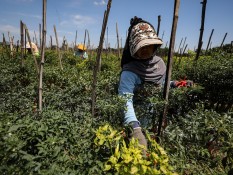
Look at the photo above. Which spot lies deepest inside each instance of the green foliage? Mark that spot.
(54, 143)
(200, 138)
(61, 140)
(214, 73)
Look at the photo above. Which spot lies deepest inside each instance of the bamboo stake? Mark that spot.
(51, 42)
(3, 44)
(121, 46)
(158, 27)
(162, 35)
(40, 34)
(33, 54)
(185, 49)
(88, 41)
(22, 43)
(11, 44)
(3, 39)
(58, 49)
(42, 56)
(209, 40)
(223, 40)
(169, 64)
(180, 45)
(201, 29)
(98, 59)
(25, 43)
(36, 38)
(106, 44)
(84, 42)
(181, 50)
(118, 44)
(17, 46)
(182, 54)
(231, 47)
(75, 40)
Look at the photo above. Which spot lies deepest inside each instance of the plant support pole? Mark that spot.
(223, 39)
(95, 72)
(42, 55)
(33, 54)
(209, 40)
(58, 49)
(158, 27)
(201, 29)
(22, 42)
(169, 63)
(40, 34)
(118, 44)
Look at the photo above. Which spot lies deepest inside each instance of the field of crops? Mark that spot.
(65, 138)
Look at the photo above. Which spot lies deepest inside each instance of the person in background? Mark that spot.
(34, 47)
(139, 64)
(80, 51)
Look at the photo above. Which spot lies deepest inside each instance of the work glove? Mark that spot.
(138, 135)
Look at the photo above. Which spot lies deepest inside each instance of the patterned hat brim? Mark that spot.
(146, 42)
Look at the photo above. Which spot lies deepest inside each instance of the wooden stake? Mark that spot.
(223, 40)
(58, 49)
(51, 42)
(88, 41)
(11, 42)
(33, 54)
(169, 64)
(162, 35)
(106, 44)
(84, 43)
(22, 42)
(180, 45)
(40, 34)
(98, 59)
(158, 27)
(118, 43)
(36, 38)
(201, 29)
(209, 40)
(182, 50)
(75, 40)
(231, 47)
(42, 55)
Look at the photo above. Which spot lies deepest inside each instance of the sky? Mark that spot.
(70, 16)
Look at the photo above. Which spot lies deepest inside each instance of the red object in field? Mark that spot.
(182, 83)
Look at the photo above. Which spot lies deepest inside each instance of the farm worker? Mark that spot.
(34, 47)
(80, 51)
(139, 64)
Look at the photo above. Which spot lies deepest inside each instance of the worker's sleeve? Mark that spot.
(128, 82)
